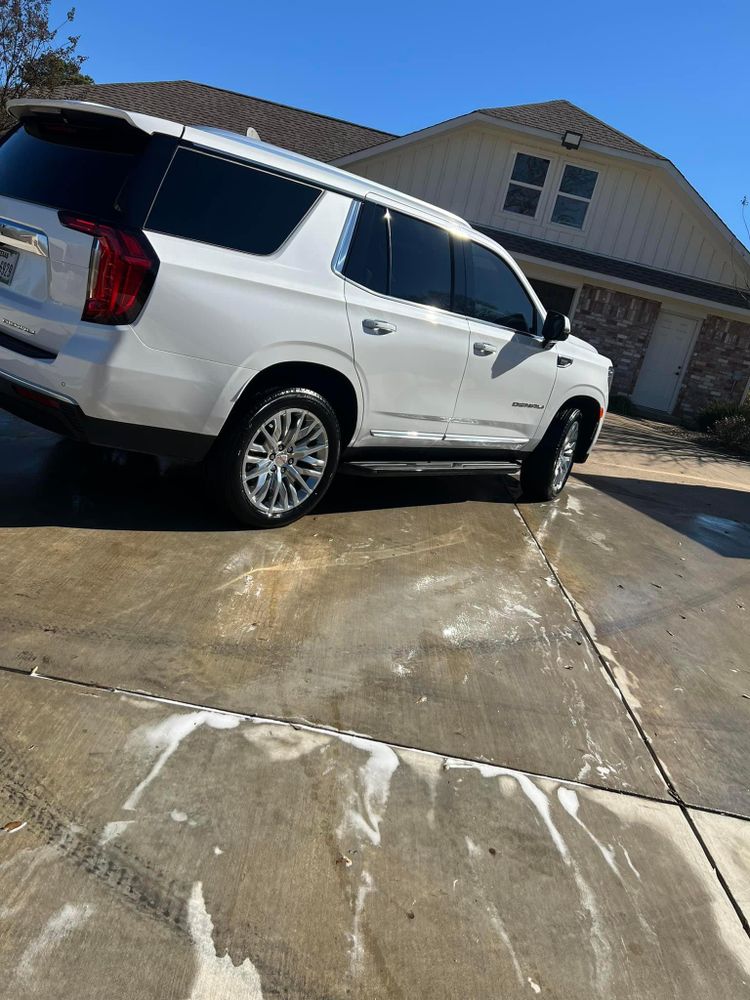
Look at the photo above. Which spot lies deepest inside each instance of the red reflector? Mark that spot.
(122, 271)
(37, 397)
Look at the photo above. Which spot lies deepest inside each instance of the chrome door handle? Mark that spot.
(378, 326)
(563, 362)
(482, 350)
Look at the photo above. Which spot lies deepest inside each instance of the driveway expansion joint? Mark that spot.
(661, 768)
(303, 725)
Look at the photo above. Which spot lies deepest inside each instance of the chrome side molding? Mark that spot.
(20, 237)
(428, 468)
(483, 439)
(404, 435)
(457, 438)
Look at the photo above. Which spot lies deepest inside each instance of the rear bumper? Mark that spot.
(63, 416)
(109, 388)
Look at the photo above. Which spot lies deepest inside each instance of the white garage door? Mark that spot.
(666, 357)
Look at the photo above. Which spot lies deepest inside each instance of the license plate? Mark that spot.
(8, 261)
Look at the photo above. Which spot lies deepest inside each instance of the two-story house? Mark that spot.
(607, 230)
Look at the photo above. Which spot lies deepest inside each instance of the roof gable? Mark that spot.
(562, 116)
(306, 132)
(550, 120)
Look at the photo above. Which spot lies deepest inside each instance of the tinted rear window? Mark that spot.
(421, 265)
(395, 254)
(367, 260)
(81, 169)
(230, 204)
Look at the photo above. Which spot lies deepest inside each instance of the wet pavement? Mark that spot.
(673, 619)
(424, 742)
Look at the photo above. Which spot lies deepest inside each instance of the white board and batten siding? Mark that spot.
(638, 212)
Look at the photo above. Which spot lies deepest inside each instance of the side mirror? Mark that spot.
(556, 327)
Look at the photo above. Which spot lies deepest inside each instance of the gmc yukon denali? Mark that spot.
(194, 293)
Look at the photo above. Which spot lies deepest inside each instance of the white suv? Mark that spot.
(190, 292)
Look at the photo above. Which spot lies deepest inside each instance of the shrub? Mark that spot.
(708, 418)
(734, 431)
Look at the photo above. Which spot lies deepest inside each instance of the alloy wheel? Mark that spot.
(284, 461)
(565, 458)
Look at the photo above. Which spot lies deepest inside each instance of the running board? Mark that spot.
(429, 468)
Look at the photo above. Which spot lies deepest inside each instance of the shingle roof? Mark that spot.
(305, 132)
(313, 134)
(562, 116)
(611, 267)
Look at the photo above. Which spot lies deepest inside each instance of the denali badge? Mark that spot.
(17, 326)
(531, 406)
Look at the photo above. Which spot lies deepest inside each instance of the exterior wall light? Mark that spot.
(572, 140)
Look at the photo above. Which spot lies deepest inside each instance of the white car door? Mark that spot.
(510, 371)
(410, 350)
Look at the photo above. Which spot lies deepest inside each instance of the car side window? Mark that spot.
(236, 205)
(397, 255)
(367, 260)
(494, 293)
(421, 262)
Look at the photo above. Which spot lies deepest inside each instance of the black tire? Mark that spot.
(538, 471)
(228, 461)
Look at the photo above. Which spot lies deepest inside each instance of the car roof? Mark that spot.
(253, 150)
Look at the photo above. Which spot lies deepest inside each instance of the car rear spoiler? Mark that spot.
(28, 107)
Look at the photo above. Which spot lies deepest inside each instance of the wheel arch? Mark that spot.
(592, 410)
(330, 382)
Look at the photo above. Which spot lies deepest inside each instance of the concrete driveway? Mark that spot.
(424, 743)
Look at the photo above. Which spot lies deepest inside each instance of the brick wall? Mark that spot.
(619, 325)
(719, 368)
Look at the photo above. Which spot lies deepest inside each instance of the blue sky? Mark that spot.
(673, 75)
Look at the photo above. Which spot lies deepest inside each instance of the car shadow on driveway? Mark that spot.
(47, 480)
(716, 517)
(66, 484)
(352, 493)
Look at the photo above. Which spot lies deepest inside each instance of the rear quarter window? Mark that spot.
(238, 206)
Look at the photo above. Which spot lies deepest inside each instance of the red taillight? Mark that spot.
(122, 271)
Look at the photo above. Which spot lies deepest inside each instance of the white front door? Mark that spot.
(666, 357)
(510, 372)
(504, 393)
